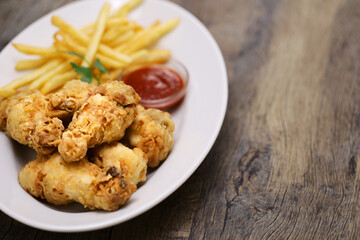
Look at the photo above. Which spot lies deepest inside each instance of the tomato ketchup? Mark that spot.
(157, 84)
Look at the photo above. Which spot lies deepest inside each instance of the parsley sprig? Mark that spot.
(88, 73)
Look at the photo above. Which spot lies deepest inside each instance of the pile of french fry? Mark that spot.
(114, 40)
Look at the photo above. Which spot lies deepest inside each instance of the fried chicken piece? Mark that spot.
(132, 162)
(152, 131)
(50, 178)
(103, 118)
(119, 92)
(4, 105)
(3, 113)
(24, 119)
(99, 120)
(68, 99)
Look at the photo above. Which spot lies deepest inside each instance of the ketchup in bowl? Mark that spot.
(159, 86)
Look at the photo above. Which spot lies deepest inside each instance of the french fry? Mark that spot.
(110, 63)
(151, 58)
(118, 43)
(152, 36)
(145, 57)
(139, 54)
(114, 22)
(107, 61)
(50, 52)
(115, 32)
(30, 64)
(34, 50)
(139, 36)
(73, 45)
(29, 77)
(125, 44)
(111, 75)
(126, 8)
(58, 36)
(161, 52)
(57, 82)
(88, 30)
(60, 46)
(83, 39)
(95, 40)
(61, 68)
(6, 92)
(110, 53)
(122, 39)
(118, 14)
(67, 28)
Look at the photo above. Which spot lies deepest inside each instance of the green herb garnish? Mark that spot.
(87, 72)
(99, 66)
(75, 54)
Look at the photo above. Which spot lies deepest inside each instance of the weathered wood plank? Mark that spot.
(285, 165)
(93, 235)
(19, 231)
(171, 219)
(5, 223)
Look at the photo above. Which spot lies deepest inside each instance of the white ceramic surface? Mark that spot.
(198, 118)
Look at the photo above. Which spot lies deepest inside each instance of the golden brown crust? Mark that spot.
(27, 123)
(119, 92)
(67, 100)
(99, 120)
(132, 162)
(152, 131)
(50, 178)
(3, 113)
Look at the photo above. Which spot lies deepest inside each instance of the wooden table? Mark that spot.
(285, 162)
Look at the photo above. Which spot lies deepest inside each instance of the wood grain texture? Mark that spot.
(285, 164)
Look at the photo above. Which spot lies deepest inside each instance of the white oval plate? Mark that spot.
(198, 119)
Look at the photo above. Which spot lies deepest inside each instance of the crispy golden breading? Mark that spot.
(50, 178)
(67, 100)
(99, 120)
(100, 117)
(152, 131)
(103, 118)
(24, 119)
(3, 112)
(119, 92)
(132, 162)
